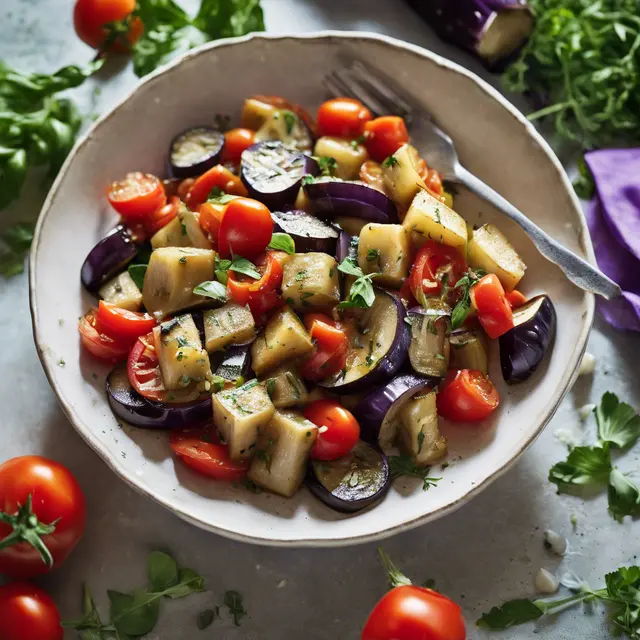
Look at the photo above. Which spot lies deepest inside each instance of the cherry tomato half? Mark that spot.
(143, 369)
(162, 216)
(98, 342)
(91, 17)
(246, 228)
(384, 136)
(343, 117)
(494, 311)
(138, 196)
(338, 433)
(56, 497)
(467, 396)
(123, 324)
(414, 613)
(210, 218)
(432, 263)
(28, 613)
(217, 176)
(235, 142)
(331, 346)
(202, 451)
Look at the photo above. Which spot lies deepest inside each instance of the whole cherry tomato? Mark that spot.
(338, 433)
(235, 142)
(28, 613)
(44, 516)
(384, 136)
(343, 117)
(246, 228)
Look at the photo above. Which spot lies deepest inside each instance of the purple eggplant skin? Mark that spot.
(107, 258)
(372, 409)
(388, 365)
(273, 173)
(308, 232)
(347, 247)
(195, 151)
(472, 25)
(350, 499)
(356, 199)
(128, 405)
(235, 363)
(523, 348)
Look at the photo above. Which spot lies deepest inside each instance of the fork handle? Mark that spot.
(578, 270)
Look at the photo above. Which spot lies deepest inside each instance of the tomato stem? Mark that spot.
(395, 576)
(27, 528)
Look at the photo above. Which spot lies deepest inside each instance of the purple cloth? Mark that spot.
(613, 217)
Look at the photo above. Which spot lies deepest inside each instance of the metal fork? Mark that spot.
(382, 97)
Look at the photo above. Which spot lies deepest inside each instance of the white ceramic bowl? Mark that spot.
(494, 140)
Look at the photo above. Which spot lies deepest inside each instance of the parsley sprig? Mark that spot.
(621, 595)
(462, 308)
(618, 428)
(403, 465)
(361, 295)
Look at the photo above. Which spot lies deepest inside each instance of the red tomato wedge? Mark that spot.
(384, 136)
(98, 342)
(338, 430)
(343, 117)
(494, 311)
(217, 176)
(467, 396)
(203, 452)
(137, 196)
(124, 324)
(143, 369)
(331, 345)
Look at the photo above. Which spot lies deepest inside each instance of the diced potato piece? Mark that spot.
(239, 413)
(171, 276)
(285, 337)
(280, 458)
(231, 324)
(310, 280)
(385, 249)
(284, 125)
(469, 350)
(490, 250)
(401, 178)
(183, 231)
(254, 113)
(180, 354)
(430, 218)
(123, 292)
(419, 432)
(348, 156)
(286, 388)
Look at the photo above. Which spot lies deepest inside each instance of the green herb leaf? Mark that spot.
(510, 614)
(391, 161)
(17, 240)
(584, 184)
(205, 619)
(403, 465)
(583, 466)
(137, 273)
(618, 422)
(162, 570)
(188, 582)
(134, 614)
(290, 120)
(221, 267)
(233, 600)
(244, 266)
(461, 310)
(373, 255)
(282, 242)
(328, 165)
(624, 496)
(361, 295)
(212, 289)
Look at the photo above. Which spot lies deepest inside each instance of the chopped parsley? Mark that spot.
(391, 161)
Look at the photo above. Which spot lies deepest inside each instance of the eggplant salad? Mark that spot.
(298, 302)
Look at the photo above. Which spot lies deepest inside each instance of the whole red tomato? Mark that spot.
(43, 516)
(28, 613)
(408, 612)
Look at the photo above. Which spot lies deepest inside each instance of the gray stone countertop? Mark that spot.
(481, 555)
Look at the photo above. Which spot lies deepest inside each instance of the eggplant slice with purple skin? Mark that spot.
(195, 151)
(111, 255)
(234, 363)
(524, 347)
(353, 482)
(330, 197)
(128, 405)
(308, 232)
(492, 30)
(272, 173)
(377, 350)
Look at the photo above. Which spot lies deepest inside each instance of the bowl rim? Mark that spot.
(348, 36)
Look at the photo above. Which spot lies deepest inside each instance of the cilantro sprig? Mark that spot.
(621, 595)
(361, 295)
(618, 428)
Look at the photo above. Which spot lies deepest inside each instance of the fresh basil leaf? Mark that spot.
(188, 582)
(623, 495)
(136, 614)
(162, 570)
(19, 237)
(282, 242)
(618, 422)
(229, 18)
(510, 614)
(137, 273)
(460, 312)
(583, 466)
(349, 267)
(244, 266)
(212, 289)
